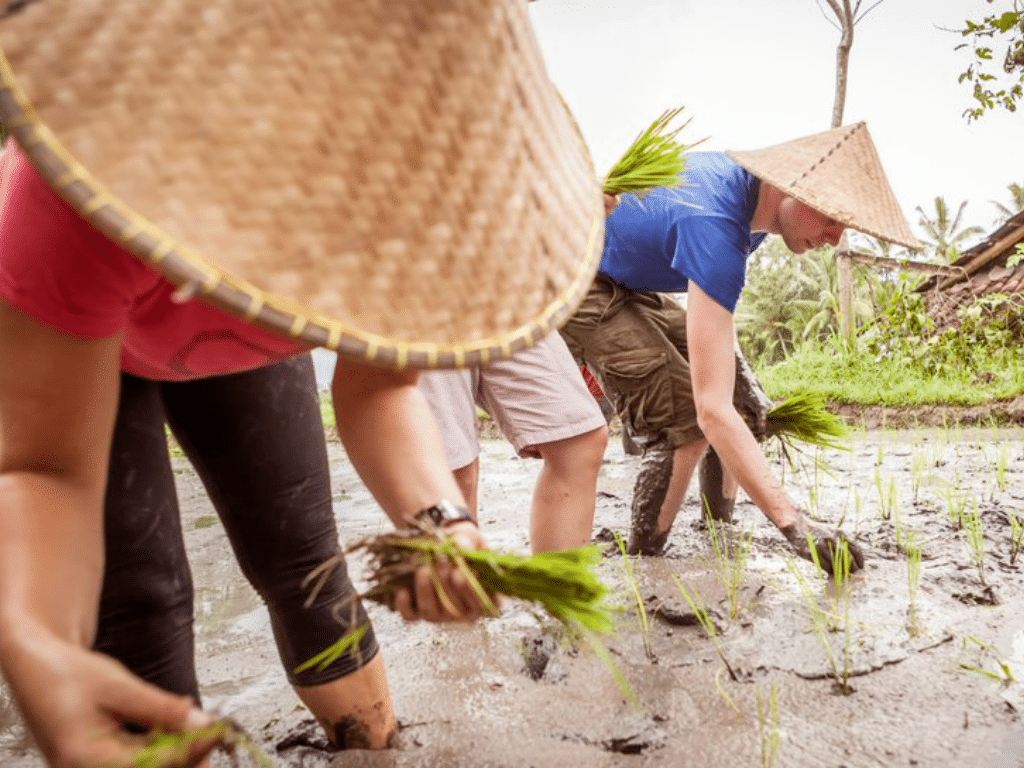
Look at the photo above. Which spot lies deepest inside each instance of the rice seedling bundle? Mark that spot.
(804, 417)
(654, 159)
(563, 583)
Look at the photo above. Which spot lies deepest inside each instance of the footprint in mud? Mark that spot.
(540, 658)
(633, 741)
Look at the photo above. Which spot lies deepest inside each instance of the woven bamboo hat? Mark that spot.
(394, 179)
(838, 173)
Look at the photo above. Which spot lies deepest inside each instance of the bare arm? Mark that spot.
(58, 398)
(394, 444)
(711, 338)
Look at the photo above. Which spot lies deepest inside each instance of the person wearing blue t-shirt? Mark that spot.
(670, 372)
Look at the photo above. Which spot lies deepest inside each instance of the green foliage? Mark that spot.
(788, 299)
(901, 358)
(996, 43)
(945, 233)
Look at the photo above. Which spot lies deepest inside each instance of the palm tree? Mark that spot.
(1016, 203)
(944, 233)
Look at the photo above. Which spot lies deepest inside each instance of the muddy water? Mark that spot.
(859, 678)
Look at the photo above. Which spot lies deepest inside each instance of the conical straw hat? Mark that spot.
(838, 173)
(394, 179)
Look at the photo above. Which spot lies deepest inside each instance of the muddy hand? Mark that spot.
(826, 543)
(444, 592)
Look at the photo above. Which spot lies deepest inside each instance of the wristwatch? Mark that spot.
(444, 513)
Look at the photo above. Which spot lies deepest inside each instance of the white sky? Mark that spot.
(752, 73)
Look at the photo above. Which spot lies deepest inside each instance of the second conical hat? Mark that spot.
(839, 173)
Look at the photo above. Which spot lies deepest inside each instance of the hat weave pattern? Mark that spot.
(394, 179)
(838, 173)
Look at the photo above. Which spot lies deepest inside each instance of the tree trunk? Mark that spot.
(847, 20)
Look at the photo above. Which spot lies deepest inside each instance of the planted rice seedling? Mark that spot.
(888, 495)
(1002, 463)
(824, 622)
(914, 557)
(638, 600)
(974, 530)
(1016, 537)
(654, 159)
(768, 726)
(990, 663)
(955, 505)
(732, 553)
(700, 610)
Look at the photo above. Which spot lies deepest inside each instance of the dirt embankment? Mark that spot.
(1000, 413)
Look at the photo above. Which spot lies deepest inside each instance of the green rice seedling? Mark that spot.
(1016, 537)
(173, 748)
(700, 610)
(562, 583)
(974, 530)
(1002, 463)
(918, 464)
(823, 622)
(888, 495)
(654, 159)
(896, 515)
(955, 504)
(731, 557)
(914, 556)
(1002, 674)
(638, 600)
(768, 726)
(804, 417)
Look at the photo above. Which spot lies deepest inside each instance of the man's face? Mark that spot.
(803, 228)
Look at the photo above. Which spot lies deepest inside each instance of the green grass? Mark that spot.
(864, 379)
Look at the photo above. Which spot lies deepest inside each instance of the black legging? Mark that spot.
(257, 441)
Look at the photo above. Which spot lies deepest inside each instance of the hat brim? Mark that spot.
(838, 173)
(452, 227)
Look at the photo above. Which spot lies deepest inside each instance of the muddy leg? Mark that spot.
(711, 476)
(648, 497)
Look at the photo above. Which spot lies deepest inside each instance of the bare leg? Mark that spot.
(468, 479)
(355, 710)
(566, 493)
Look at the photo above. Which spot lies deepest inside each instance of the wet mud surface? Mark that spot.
(891, 670)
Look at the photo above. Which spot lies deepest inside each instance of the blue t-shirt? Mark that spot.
(699, 232)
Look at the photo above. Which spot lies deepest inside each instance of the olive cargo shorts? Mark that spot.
(635, 344)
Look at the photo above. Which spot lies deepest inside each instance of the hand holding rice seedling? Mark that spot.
(177, 748)
(562, 583)
(655, 159)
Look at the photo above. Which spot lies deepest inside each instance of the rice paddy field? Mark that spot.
(734, 653)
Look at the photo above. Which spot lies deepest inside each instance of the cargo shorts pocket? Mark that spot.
(640, 387)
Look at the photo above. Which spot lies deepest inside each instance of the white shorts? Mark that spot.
(537, 397)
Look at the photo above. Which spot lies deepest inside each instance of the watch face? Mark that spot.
(444, 512)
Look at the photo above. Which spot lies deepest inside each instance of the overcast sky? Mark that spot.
(752, 73)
